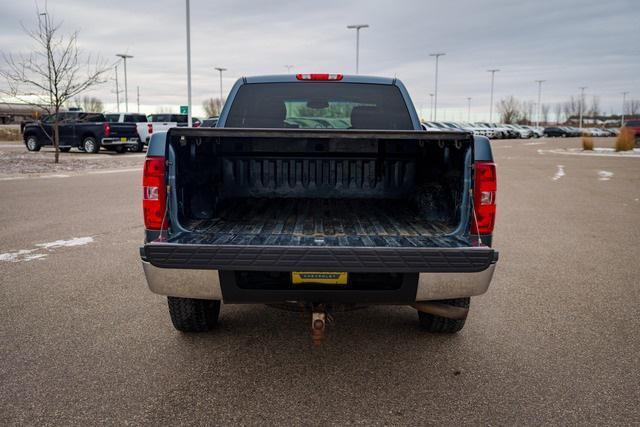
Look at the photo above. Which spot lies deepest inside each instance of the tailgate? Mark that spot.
(121, 130)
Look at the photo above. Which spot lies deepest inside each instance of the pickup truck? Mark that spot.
(144, 128)
(85, 131)
(272, 206)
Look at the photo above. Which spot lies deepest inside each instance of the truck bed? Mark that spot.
(320, 222)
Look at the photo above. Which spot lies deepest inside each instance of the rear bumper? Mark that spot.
(207, 272)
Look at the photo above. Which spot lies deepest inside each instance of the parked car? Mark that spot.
(85, 131)
(536, 132)
(557, 131)
(381, 212)
(163, 122)
(519, 131)
(479, 130)
(145, 129)
(500, 132)
(633, 125)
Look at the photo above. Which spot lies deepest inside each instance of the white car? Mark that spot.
(521, 131)
(477, 130)
(144, 128)
(535, 132)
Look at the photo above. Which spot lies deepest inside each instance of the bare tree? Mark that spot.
(632, 107)
(53, 74)
(510, 110)
(558, 111)
(212, 106)
(89, 104)
(544, 109)
(594, 110)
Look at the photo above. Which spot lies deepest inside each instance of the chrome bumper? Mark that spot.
(110, 142)
(185, 283)
(205, 284)
(436, 286)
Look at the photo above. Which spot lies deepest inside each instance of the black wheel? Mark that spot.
(193, 315)
(432, 323)
(65, 149)
(32, 143)
(90, 145)
(120, 149)
(137, 148)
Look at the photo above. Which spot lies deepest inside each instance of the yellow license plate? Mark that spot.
(322, 277)
(123, 139)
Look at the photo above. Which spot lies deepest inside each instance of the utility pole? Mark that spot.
(624, 101)
(138, 97)
(539, 105)
(220, 69)
(493, 74)
(124, 57)
(117, 90)
(357, 27)
(431, 107)
(435, 100)
(189, 122)
(469, 110)
(288, 67)
(582, 88)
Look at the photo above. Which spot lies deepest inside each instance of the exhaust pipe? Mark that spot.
(442, 310)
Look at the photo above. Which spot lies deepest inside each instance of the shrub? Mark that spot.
(626, 140)
(587, 143)
(9, 133)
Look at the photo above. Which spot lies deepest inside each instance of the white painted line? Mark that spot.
(99, 172)
(602, 152)
(12, 146)
(534, 143)
(604, 175)
(12, 178)
(55, 176)
(559, 174)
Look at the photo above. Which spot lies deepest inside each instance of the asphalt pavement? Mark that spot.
(554, 341)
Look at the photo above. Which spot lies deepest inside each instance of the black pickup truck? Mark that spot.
(319, 193)
(85, 131)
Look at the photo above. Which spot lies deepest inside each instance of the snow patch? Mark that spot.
(559, 173)
(33, 254)
(604, 175)
(597, 152)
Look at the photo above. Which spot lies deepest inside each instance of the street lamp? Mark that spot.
(220, 69)
(430, 107)
(188, 65)
(288, 67)
(357, 27)
(493, 74)
(124, 57)
(435, 101)
(539, 105)
(469, 109)
(624, 101)
(117, 90)
(582, 88)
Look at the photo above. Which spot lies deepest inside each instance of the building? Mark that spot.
(13, 113)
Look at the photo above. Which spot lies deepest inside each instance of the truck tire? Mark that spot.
(438, 324)
(90, 145)
(137, 148)
(33, 144)
(120, 149)
(193, 315)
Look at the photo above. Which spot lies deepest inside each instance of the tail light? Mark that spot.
(154, 193)
(484, 198)
(319, 76)
(150, 128)
(107, 129)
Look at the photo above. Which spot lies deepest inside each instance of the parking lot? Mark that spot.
(555, 340)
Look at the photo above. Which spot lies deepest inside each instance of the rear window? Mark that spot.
(91, 117)
(633, 123)
(324, 105)
(179, 118)
(112, 118)
(134, 118)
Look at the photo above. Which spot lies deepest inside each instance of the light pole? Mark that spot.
(469, 109)
(188, 65)
(582, 88)
(124, 57)
(493, 75)
(288, 67)
(539, 105)
(138, 97)
(430, 107)
(220, 69)
(117, 90)
(357, 27)
(624, 101)
(435, 100)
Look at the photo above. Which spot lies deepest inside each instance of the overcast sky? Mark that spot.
(568, 43)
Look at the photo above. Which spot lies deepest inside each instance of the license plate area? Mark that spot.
(338, 278)
(123, 139)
